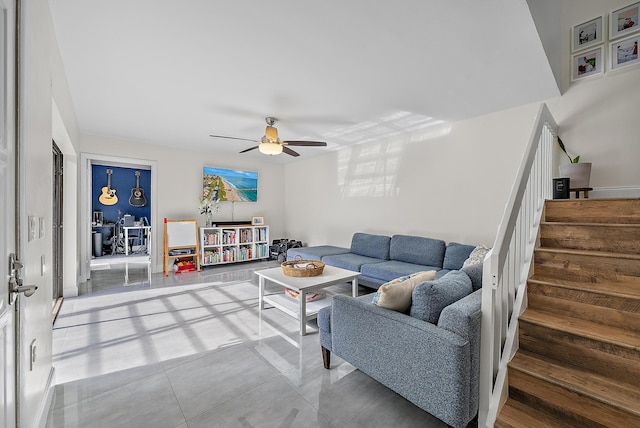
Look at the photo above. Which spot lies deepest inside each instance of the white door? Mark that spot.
(7, 210)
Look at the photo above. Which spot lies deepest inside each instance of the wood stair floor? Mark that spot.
(579, 359)
(585, 329)
(602, 389)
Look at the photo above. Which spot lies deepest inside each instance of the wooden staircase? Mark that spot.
(578, 364)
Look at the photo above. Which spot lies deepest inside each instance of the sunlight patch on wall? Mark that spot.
(392, 125)
(368, 166)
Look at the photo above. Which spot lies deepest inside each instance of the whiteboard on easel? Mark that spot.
(181, 233)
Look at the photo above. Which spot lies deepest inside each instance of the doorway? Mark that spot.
(87, 196)
(57, 232)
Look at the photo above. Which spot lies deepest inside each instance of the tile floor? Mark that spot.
(193, 350)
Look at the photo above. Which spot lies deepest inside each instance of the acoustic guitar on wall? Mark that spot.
(137, 198)
(108, 196)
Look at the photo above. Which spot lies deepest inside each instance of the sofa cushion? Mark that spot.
(417, 250)
(475, 275)
(477, 256)
(349, 261)
(431, 297)
(455, 255)
(391, 269)
(315, 252)
(396, 294)
(365, 244)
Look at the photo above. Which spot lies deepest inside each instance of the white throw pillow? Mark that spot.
(396, 294)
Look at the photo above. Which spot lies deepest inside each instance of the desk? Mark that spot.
(146, 233)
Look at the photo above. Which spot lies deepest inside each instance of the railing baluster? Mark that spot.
(507, 264)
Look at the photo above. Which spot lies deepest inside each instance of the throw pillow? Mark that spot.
(396, 294)
(477, 256)
(455, 255)
(431, 297)
(475, 275)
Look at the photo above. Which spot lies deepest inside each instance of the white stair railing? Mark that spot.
(506, 266)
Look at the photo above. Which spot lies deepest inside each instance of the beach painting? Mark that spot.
(229, 185)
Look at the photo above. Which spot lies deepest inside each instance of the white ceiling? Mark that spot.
(173, 72)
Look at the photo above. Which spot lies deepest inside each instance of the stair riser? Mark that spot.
(609, 238)
(613, 279)
(604, 309)
(610, 360)
(567, 406)
(620, 211)
(559, 416)
(605, 267)
(515, 414)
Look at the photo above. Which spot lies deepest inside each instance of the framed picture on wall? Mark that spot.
(587, 34)
(624, 21)
(624, 52)
(586, 64)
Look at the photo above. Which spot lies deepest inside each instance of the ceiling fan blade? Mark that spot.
(234, 138)
(305, 143)
(249, 149)
(288, 151)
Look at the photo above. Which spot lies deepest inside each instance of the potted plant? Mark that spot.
(579, 173)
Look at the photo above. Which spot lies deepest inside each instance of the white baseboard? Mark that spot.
(615, 192)
(71, 291)
(45, 405)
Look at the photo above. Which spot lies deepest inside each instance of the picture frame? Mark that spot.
(587, 64)
(624, 52)
(257, 221)
(587, 34)
(624, 21)
(97, 218)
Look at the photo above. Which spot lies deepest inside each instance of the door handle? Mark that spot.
(28, 290)
(15, 282)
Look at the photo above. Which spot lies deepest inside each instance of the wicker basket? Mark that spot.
(302, 268)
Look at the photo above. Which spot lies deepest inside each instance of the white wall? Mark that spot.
(180, 184)
(66, 135)
(455, 186)
(449, 183)
(36, 190)
(598, 117)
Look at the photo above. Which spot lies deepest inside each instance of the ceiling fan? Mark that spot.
(271, 145)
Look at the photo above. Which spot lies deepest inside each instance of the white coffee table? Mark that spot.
(301, 309)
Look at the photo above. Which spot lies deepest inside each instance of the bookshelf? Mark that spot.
(232, 244)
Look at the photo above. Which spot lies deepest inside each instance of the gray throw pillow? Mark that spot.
(455, 255)
(431, 297)
(475, 274)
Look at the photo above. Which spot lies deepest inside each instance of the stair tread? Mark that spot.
(626, 290)
(589, 253)
(608, 391)
(517, 414)
(575, 224)
(580, 327)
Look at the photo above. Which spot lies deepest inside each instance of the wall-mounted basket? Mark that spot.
(302, 268)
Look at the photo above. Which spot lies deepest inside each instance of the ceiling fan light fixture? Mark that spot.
(269, 148)
(271, 133)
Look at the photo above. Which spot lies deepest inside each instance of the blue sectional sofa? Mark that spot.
(381, 258)
(431, 354)
(435, 366)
